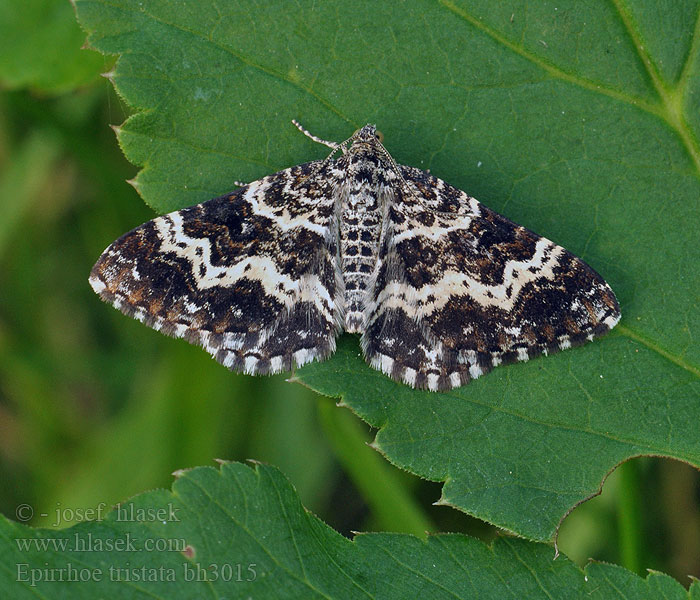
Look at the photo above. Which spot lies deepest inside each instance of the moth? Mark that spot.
(440, 288)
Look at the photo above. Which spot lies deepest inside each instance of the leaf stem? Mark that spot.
(628, 517)
(390, 501)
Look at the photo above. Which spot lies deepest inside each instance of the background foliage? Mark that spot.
(578, 121)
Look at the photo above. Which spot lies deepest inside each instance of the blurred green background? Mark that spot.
(95, 407)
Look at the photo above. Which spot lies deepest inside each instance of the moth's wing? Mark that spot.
(460, 289)
(251, 276)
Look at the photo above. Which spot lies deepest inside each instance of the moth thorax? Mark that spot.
(360, 227)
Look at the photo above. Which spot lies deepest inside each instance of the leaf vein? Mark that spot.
(245, 60)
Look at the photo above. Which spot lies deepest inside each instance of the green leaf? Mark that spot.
(577, 120)
(239, 532)
(41, 47)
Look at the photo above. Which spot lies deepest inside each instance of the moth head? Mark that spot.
(368, 133)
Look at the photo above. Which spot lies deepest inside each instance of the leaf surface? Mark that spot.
(578, 120)
(240, 532)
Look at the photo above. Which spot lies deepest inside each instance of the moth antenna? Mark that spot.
(311, 136)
